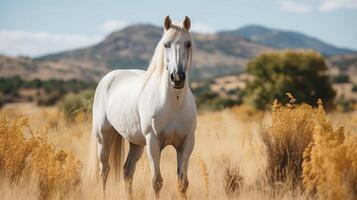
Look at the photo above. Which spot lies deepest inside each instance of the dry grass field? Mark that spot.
(295, 152)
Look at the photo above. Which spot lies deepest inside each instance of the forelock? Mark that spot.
(175, 32)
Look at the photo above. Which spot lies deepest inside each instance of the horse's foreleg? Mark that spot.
(135, 153)
(154, 153)
(183, 156)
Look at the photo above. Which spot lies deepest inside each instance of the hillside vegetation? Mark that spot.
(48, 92)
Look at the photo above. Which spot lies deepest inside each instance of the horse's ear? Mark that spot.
(187, 23)
(167, 23)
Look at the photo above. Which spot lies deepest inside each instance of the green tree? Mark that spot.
(302, 73)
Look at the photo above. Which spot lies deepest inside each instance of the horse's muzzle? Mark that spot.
(178, 79)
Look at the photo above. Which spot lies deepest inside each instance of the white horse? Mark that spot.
(155, 108)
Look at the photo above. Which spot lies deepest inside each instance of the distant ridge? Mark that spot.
(286, 39)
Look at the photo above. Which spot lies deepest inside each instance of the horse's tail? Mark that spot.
(116, 155)
(115, 159)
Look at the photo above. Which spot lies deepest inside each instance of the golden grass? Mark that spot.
(229, 160)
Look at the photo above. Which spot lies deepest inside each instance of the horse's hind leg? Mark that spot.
(183, 156)
(135, 153)
(105, 141)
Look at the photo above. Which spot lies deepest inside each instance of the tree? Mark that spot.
(302, 73)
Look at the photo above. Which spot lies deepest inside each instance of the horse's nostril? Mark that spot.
(176, 77)
(182, 76)
(172, 76)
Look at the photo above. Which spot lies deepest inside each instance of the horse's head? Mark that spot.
(177, 44)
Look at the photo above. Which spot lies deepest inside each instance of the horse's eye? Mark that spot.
(188, 44)
(167, 45)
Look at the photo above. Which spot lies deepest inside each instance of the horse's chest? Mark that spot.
(172, 130)
(173, 133)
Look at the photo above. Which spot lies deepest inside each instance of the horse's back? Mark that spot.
(116, 77)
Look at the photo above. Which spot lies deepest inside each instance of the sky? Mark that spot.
(38, 27)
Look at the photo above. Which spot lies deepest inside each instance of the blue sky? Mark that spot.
(44, 26)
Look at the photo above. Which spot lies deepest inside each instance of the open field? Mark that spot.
(228, 162)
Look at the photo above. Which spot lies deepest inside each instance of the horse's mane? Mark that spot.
(157, 61)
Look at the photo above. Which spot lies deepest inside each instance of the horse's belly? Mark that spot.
(126, 122)
(133, 136)
(130, 130)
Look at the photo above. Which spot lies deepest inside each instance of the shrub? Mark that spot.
(221, 103)
(302, 147)
(286, 140)
(300, 72)
(10, 85)
(204, 92)
(48, 99)
(344, 104)
(204, 96)
(354, 88)
(330, 164)
(342, 78)
(72, 104)
(2, 100)
(210, 100)
(25, 154)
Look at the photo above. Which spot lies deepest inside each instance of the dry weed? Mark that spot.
(330, 165)
(286, 140)
(232, 181)
(25, 154)
(205, 176)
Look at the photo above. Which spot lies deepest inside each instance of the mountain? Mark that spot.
(134, 46)
(286, 39)
(219, 54)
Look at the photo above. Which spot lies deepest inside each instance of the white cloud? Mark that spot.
(202, 28)
(112, 25)
(294, 6)
(14, 42)
(332, 5)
